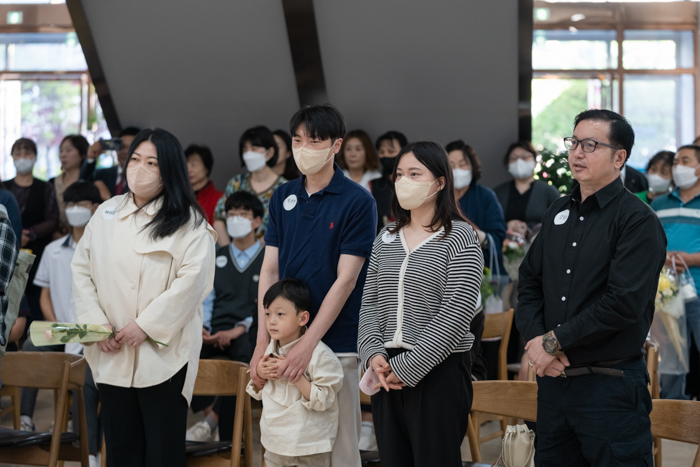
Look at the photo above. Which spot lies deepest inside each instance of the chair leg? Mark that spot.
(657, 455)
(103, 462)
(473, 439)
(16, 407)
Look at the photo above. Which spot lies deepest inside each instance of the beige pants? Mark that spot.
(346, 451)
(315, 460)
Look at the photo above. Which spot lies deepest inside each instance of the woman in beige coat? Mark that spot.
(143, 267)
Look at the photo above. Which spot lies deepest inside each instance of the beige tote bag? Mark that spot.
(517, 447)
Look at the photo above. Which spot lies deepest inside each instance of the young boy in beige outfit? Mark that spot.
(299, 421)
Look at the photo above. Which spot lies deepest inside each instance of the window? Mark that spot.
(636, 59)
(45, 94)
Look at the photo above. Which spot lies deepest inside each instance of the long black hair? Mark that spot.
(434, 157)
(179, 200)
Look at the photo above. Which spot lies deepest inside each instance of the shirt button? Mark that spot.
(580, 218)
(574, 244)
(568, 271)
(133, 286)
(563, 299)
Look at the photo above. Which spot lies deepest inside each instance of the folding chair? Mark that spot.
(516, 399)
(225, 378)
(63, 373)
(677, 420)
(495, 325)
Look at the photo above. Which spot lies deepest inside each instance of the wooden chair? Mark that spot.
(14, 394)
(495, 325)
(652, 358)
(677, 420)
(516, 399)
(63, 373)
(225, 378)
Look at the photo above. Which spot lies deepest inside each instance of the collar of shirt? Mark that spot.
(277, 350)
(335, 186)
(69, 243)
(676, 193)
(602, 196)
(242, 257)
(128, 206)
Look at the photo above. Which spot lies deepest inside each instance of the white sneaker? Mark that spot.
(94, 461)
(215, 437)
(26, 423)
(368, 442)
(200, 431)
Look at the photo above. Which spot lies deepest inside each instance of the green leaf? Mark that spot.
(65, 339)
(55, 325)
(82, 334)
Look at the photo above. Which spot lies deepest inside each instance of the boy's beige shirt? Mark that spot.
(291, 425)
(121, 275)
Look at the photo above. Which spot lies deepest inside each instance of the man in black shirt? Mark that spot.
(586, 301)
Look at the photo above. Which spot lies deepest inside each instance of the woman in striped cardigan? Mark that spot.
(420, 296)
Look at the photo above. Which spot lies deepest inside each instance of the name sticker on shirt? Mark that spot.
(388, 237)
(561, 217)
(290, 202)
(109, 213)
(221, 261)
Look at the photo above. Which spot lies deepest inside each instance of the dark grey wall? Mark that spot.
(208, 70)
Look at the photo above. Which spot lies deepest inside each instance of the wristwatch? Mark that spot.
(550, 344)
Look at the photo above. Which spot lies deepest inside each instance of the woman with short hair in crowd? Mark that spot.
(259, 154)
(358, 159)
(200, 161)
(72, 153)
(659, 176)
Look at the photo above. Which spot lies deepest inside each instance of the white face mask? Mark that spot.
(254, 161)
(238, 227)
(463, 178)
(24, 165)
(412, 195)
(658, 184)
(78, 216)
(310, 161)
(521, 168)
(684, 177)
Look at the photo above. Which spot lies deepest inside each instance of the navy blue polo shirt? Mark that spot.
(311, 232)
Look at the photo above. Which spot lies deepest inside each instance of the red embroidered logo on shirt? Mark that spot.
(331, 225)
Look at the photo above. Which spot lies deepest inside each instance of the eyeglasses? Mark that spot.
(588, 145)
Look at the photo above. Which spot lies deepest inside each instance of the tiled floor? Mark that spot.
(674, 454)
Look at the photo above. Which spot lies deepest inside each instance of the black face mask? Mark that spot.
(388, 164)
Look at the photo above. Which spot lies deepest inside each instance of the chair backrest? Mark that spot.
(677, 420)
(498, 325)
(42, 370)
(221, 378)
(652, 358)
(516, 399)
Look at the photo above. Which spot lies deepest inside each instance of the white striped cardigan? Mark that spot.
(422, 301)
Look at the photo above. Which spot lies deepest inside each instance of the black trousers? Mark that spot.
(424, 426)
(145, 427)
(224, 407)
(595, 420)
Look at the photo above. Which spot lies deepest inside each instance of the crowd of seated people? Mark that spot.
(50, 218)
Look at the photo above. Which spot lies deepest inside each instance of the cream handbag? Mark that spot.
(517, 447)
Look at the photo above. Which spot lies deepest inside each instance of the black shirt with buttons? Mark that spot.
(591, 275)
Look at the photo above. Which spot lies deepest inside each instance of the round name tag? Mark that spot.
(109, 212)
(221, 261)
(290, 203)
(561, 217)
(388, 237)
(256, 278)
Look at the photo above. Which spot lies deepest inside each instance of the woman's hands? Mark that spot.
(387, 378)
(132, 335)
(109, 345)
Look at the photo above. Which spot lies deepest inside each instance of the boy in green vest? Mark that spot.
(229, 308)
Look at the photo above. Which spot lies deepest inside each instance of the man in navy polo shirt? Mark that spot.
(321, 230)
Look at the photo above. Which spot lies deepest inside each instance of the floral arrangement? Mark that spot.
(488, 287)
(513, 253)
(668, 289)
(50, 333)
